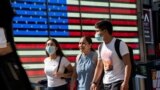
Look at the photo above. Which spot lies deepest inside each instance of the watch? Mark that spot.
(94, 83)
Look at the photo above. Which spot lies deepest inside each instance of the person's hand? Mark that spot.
(6, 50)
(124, 86)
(93, 86)
(58, 74)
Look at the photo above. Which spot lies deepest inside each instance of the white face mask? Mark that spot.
(51, 49)
(98, 37)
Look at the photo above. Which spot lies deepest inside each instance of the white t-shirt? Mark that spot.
(108, 53)
(51, 67)
(3, 41)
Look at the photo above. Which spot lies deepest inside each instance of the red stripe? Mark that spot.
(124, 22)
(137, 57)
(133, 45)
(125, 34)
(32, 59)
(33, 73)
(73, 8)
(93, 21)
(116, 34)
(38, 59)
(94, 9)
(75, 33)
(30, 46)
(101, 10)
(74, 21)
(42, 46)
(123, 11)
(132, 1)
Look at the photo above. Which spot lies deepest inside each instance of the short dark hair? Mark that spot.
(105, 25)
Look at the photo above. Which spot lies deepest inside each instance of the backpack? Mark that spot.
(133, 65)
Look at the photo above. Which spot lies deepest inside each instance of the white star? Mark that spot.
(34, 4)
(25, 3)
(21, 16)
(35, 13)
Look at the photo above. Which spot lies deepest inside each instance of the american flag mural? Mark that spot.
(67, 21)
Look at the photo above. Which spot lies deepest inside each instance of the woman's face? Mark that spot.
(84, 45)
(51, 47)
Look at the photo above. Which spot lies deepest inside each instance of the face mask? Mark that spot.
(51, 49)
(98, 37)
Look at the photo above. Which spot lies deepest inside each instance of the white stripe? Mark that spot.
(87, 3)
(128, 28)
(102, 4)
(73, 2)
(92, 3)
(42, 52)
(73, 14)
(102, 16)
(126, 17)
(127, 40)
(36, 66)
(89, 15)
(92, 28)
(123, 5)
(64, 40)
(33, 66)
(44, 39)
(116, 28)
(74, 27)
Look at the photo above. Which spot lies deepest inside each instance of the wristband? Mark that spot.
(94, 83)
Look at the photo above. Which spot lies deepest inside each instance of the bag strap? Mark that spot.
(59, 63)
(100, 48)
(117, 48)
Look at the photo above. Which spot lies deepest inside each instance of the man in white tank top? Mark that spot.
(116, 72)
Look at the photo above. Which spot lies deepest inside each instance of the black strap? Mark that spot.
(117, 48)
(100, 47)
(59, 63)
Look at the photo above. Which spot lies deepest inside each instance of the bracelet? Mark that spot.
(94, 83)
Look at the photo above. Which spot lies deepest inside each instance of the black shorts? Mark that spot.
(63, 87)
(113, 86)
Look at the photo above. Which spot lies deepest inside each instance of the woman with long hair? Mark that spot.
(55, 65)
